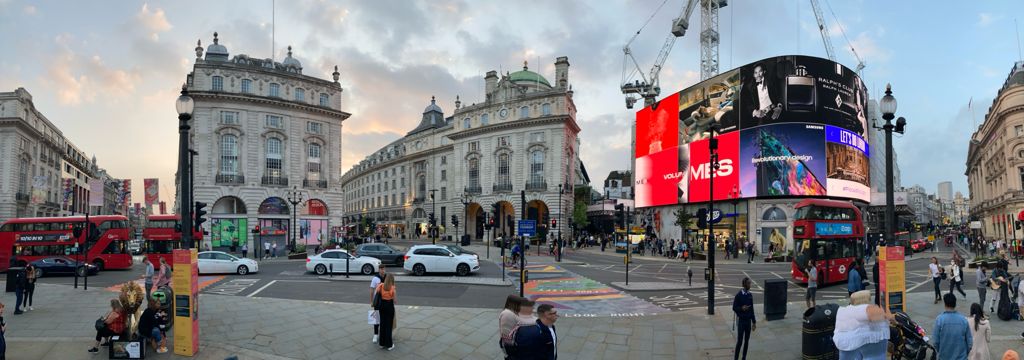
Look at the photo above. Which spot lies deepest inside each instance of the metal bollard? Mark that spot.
(346, 265)
(330, 273)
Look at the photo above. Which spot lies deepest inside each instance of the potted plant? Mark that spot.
(299, 253)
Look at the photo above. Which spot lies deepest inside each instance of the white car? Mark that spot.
(334, 260)
(421, 259)
(218, 262)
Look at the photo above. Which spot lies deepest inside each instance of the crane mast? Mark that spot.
(824, 30)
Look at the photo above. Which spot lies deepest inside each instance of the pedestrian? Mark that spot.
(952, 334)
(273, 250)
(30, 285)
(539, 340)
(934, 270)
(853, 281)
(374, 282)
(982, 275)
(20, 281)
(507, 320)
(387, 312)
(812, 283)
(862, 329)
(164, 277)
(955, 280)
(750, 252)
(3, 332)
(245, 250)
(999, 277)
(746, 322)
(266, 250)
(162, 320)
(113, 324)
(878, 285)
(981, 333)
(148, 327)
(147, 276)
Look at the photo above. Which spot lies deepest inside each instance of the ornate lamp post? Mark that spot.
(185, 106)
(887, 105)
(466, 199)
(295, 198)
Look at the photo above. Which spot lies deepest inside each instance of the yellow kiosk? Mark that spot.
(892, 278)
(186, 302)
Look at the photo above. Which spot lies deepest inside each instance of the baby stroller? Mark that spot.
(907, 340)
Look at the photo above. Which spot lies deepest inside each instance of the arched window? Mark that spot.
(229, 155)
(484, 119)
(524, 112)
(545, 109)
(217, 83)
(465, 123)
(474, 173)
(503, 169)
(313, 161)
(274, 159)
(537, 167)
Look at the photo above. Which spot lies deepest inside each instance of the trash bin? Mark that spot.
(465, 240)
(819, 326)
(12, 277)
(775, 294)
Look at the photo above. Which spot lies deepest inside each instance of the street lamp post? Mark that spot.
(888, 108)
(184, 105)
(713, 160)
(294, 197)
(433, 211)
(558, 254)
(466, 199)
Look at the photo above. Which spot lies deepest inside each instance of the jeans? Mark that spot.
(872, 351)
(156, 335)
(29, 291)
(149, 290)
(956, 284)
(742, 338)
(19, 293)
(981, 295)
(938, 293)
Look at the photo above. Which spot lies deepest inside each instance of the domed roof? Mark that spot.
(526, 75)
(290, 61)
(433, 106)
(216, 51)
(1016, 79)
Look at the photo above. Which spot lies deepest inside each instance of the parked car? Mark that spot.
(218, 262)
(385, 253)
(421, 259)
(62, 265)
(458, 250)
(335, 260)
(135, 247)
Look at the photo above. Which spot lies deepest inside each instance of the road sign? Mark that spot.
(527, 227)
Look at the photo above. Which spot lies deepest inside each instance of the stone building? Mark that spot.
(995, 160)
(265, 134)
(512, 153)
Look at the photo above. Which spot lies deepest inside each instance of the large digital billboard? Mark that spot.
(788, 126)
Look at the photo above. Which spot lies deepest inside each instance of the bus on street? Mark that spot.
(24, 240)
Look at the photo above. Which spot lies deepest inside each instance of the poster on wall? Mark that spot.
(715, 100)
(313, 231)
(40, 187)
(848, 166)
(95, 192)
(228, 232)
(659, 180)
(773, 236)
(783, 160)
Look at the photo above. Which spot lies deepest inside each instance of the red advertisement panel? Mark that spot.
(657, 126)
(152, 191)
(659, 180)
(726, 178)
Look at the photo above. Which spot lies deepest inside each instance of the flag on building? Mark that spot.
(152, 191)
(95, 192)
(39, 189)
(68, 188)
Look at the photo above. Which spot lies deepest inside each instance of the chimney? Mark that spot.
(492, 82)
(562, 72)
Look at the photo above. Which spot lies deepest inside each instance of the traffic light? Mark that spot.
(490, 223)
(256, 230)
(431, 220)
(554, 223)
(199, 213)
(76, 230)
(620, 214)
(455, 220)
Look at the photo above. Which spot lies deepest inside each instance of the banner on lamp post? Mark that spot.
(67, 188)
(95, 192)
(152, 191)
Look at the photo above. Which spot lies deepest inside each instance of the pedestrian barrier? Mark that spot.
(819, 326)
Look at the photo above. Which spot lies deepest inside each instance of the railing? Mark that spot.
(418, 200)
(51, 204)
(21, 196)
(502, 187)
(230, 179)
(474, 190)
(321, 184)
(275, 181)
(537, 185)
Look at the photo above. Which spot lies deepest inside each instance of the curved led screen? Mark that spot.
(789, 126)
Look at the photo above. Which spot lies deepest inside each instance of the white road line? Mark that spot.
(918, 285)
(755, 282)
(662, 268)
(261, 289)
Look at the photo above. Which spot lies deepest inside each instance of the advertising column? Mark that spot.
(186, 302)
(891, 277)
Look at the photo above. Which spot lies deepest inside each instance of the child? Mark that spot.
(161, 323)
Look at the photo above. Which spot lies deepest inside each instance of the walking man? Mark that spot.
(376, 280)
(952, 334)
(148, 276)
(245, 250)
(273, 249)
(540, 341)
(743, 307)
(750, 252)
(266, 250)
(812, 283)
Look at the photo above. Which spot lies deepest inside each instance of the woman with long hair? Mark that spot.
(387, 312)
(955, 279)
(507, 320)
(30, 285)
(981, 332)
(113, 324)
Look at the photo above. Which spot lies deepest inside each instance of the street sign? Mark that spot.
(714, 217)
(527, 227)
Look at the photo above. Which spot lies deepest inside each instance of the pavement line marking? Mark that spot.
(755, 282)
(662, 268)
(261, 289)
(919, 285)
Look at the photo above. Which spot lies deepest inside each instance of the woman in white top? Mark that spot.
(934, 270)
(981, 333)
(955, 279)
(507, 320)
(862, 329)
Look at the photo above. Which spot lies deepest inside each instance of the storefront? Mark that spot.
(733, 226)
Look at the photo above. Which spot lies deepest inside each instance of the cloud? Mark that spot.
(76, 81)
(29, 10)
(986, 19)
(868, 48)
(155, 21)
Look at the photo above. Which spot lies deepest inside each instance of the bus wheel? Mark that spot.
(98, 264)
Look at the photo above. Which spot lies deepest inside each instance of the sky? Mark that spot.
(107, 73)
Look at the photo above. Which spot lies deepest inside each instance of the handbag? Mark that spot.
(373, 317)
(100, 324)
(376, 299)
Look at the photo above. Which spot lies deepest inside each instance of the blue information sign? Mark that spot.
(527, 227)
(833, 229)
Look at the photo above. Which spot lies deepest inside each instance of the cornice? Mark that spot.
(408, 157)
(516, 124)
(266, 101)
(204, 64)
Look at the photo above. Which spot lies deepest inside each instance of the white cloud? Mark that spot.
(868, 49)
(154, 21)
(986, 19)
(29, 10)
(76, 81)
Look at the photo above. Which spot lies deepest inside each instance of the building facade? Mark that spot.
(945, 190)
(995, 161)
(511, 153)
(618, 185)
(268, 144)
(41, 172)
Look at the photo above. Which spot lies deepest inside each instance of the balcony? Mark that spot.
(317, 184)
(418, 200)
(274, 181)
(498, 188)
(51, 204)
(230, 179)
(21, 197)
(537, 185)
(474, 190)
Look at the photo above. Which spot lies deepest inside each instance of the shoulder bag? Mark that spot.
(376, 299)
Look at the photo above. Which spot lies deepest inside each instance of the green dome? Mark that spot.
(526, 75)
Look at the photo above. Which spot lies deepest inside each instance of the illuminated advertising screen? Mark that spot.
(788, 126)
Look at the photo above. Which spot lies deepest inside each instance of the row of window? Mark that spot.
(272, 121)
(274, 161)
(524, 112)
(217, 84)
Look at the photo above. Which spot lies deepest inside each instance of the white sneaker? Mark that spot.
(375, 339)
(391, 348)
(30, 308)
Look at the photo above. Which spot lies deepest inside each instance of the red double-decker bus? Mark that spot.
(161, 237)
(24, 240)
(831, 234)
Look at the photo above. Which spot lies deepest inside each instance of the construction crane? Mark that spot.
(828, 39)
(647, 87)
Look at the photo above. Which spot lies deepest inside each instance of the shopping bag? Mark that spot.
(373, 317)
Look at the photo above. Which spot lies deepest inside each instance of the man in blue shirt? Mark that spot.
(743, 306)
(952, 334)
(854, 282)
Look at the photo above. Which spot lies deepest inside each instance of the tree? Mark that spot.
(369, 226)
(579, 215)
(683, 220)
